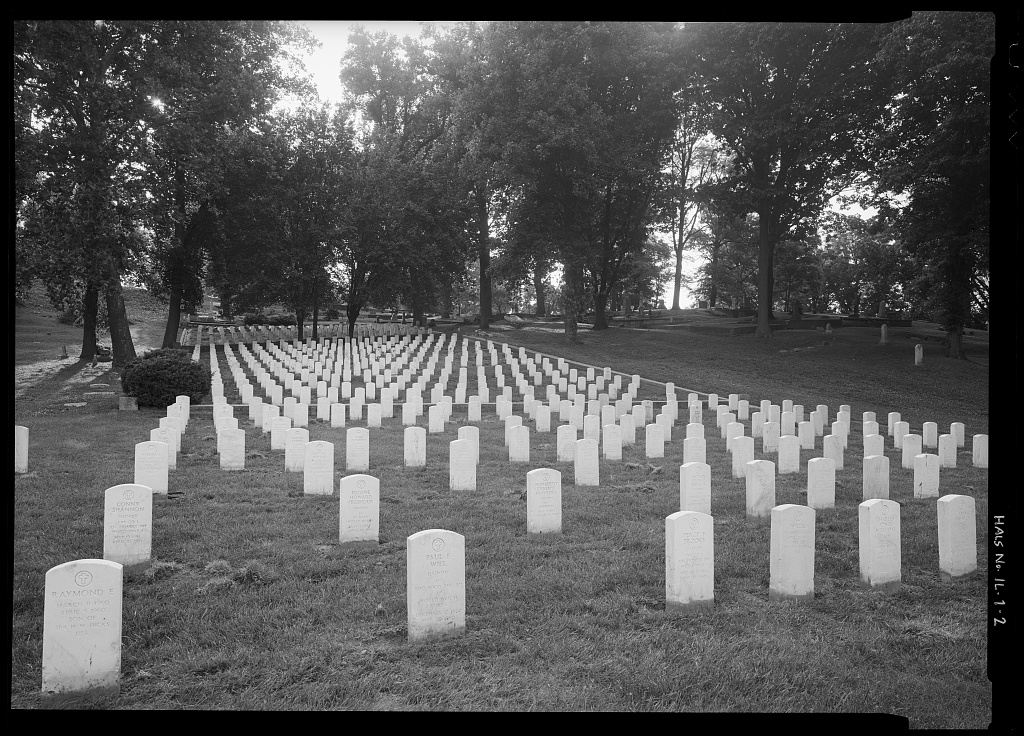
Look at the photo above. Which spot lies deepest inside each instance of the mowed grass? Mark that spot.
(251, 602)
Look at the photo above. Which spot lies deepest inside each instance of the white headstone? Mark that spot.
(359, 514)
(876, 477)
(789, 454)
(20, 449)
(689, 561)
(930, 435)
(167, 435)
(415, 447)
(232, 449)
(898, 430)
(880, 564)
(128, 525)
(565, 443)
(357, 449)
(628, 427)
(655, 441)
(318, 468)
(695, 487)
(742, 453)
(461, 465)
(543, 502)
(295, 440)
(519, 444)
(911, 449)
(760, 488)
(791, 566)
(821, 483)
(979, 450)
(435, 584)
(587, 471)
(82, 630)
(151, 465)
(947, 450)
(611, 439)
(958, 549)
(832, 447)
(926, 476)
(874, 444)
(957, 430)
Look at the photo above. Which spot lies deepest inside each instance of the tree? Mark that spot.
(934, 149)
(585, 113)
(214, 77)
(793, 102)
(79, 89)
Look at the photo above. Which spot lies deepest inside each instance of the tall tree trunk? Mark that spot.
(572, 298)
(316, 309)
(600, 318)
(173, 317)
(540, 287)
(177, 265)
(90, 308)
(352, 313)
(300, 322)
(121, 345)
(679, 277)
(484, 253)
(764, 282)
(226, 312)
(417, 314)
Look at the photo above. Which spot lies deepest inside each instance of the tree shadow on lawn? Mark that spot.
(59, 387)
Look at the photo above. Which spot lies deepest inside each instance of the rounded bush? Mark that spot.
(159, 376)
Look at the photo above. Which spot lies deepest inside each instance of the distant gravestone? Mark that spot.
(435, 419)
(695, 487)
(279, 428)
(232, 449)
(655, 441)
(359, 515)
(869, 427)
(760, 488)
(742, 453)
(695, 450)
(911, 448)
(461, 465)
(874, 444)
(898, 430)
(789, 454)
(373, 415)
(20, 449)
(689, 561)
(918, 354)
(611, 439)
(565, 443)
(151, 466)
(930, 435)
(957, 430)
(128, 525)
(958, 550)
(893, 417)
(318, 468)
(167, 435)
(832, 447)
(435, 584)
(519, 444)
(415, 446)
(472, 433)
(337, 413)
(408, 413)
(947, 450)
(791, 565)
(543, 502)
(357, 449)
(876, 477)
(82, 631)
(821, 483)
(805, 431)
(587, 471)
(879, 526)
(979, 451)
(926, 476)
(295, 442)
(628, 428)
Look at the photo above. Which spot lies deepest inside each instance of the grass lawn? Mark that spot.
(251, 603)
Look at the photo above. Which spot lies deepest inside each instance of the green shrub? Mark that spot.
(282, 320)
(256, 319)
(159, 376)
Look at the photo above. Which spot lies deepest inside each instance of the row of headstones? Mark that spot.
(222, 335)
(309, 369)
(83, 598)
